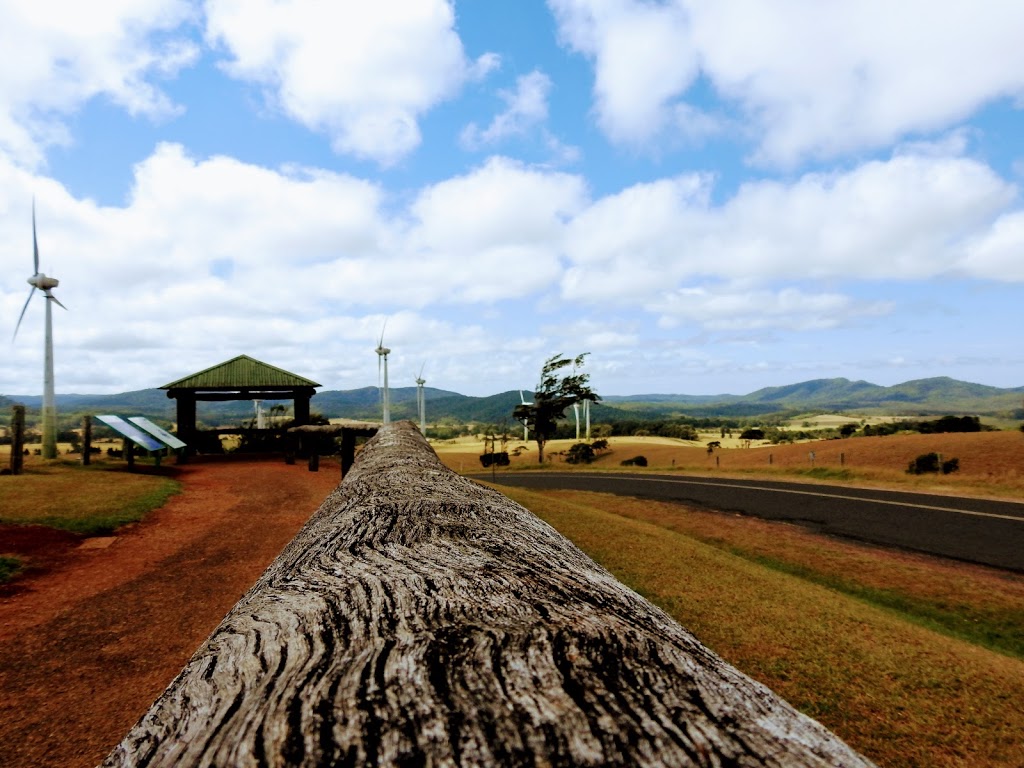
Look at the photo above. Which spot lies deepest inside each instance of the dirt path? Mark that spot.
(86, 647)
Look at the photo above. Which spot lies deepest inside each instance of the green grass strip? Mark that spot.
(9, 568)
(129, 512)
(1004, 634)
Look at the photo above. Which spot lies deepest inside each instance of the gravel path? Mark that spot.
(88, 643)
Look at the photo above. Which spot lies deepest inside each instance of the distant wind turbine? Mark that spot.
(526, 428)
(382, 356)
(421, 402)
(46, 285)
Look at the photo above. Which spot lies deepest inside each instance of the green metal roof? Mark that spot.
(240, 372)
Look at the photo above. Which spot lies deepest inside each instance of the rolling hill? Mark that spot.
(934, 396)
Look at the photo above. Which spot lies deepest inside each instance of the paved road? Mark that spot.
(976, 530)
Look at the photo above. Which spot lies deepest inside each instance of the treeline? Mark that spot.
(933, 427)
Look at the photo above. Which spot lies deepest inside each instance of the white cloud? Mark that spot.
(726, 308)
(526, 107)
(643, 60)
(362, 73)
(999, 253)
(60, 55)
(814, 79)
(494, 233)
(911, 217)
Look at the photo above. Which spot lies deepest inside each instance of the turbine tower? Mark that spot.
(526, 428)
(46, 285)
(421, 402)
(382, 355)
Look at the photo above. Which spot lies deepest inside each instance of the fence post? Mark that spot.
(17, 439)
(87, 440)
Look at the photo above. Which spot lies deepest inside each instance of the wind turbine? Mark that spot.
(421, 402)
(382, 355)
(526, 428)
(44, 284)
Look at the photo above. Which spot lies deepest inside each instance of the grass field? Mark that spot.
(991, 463)
(893, 652)
(90, 500)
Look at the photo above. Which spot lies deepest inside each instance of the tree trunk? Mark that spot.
(422, 619)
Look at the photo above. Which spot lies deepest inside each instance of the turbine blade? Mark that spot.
(22, 315)
(55, 300)
(383, 328)
(35, 244)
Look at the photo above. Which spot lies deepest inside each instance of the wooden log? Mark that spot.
(422, 619)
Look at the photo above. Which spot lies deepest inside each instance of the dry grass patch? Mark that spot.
(89, 500)
(991, 463)
(898, 692)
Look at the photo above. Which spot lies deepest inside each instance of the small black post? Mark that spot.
(129, 453)
(86, 440)
(314, 460)
(17, 439)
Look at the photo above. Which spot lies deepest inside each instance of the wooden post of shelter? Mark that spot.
(17, 439)
(128, 449)
(421, 619)
(348, 450)
(87, 440)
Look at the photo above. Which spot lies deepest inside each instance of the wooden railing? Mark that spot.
(422, 619)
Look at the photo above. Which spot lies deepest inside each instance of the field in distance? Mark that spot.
(991, 463)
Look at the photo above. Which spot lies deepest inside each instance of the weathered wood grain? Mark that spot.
(421, 619)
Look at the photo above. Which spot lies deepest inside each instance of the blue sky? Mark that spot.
(709, 197)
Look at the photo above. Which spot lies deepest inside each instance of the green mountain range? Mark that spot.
(924, 397)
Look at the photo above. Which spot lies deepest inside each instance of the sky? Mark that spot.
(707, 196)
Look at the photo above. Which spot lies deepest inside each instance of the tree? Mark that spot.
(552, 396)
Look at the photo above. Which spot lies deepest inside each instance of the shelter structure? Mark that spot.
(240, 378)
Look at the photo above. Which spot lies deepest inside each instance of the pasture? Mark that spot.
(991, 463)
(912, 660)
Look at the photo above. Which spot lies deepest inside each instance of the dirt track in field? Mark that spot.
(95, 633)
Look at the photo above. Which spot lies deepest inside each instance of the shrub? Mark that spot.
(926, 462)
(581, 453)
(9, 568)
(932, 462)
(636, 461)
(752, 434)
(497, 459)
(600, 445)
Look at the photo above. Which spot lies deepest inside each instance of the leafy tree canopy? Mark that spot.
(554, 393)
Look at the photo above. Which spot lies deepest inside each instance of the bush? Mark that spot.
(636, 461)
(932, 462)
(497, 459)
(926, 462)
(600, 445)
(752, 434)
(581, 453)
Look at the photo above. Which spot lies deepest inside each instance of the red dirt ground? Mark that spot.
(92, 634)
